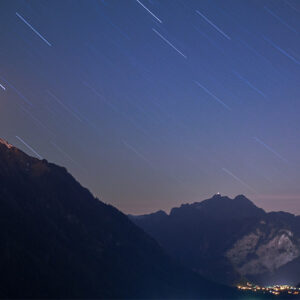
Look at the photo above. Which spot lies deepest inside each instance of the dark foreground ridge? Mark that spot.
(58, 241)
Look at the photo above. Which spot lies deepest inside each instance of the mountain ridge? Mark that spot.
(238, 197)
(59, 241)
(227, 239)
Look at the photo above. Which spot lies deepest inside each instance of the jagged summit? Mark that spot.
(5, 143)
(217, 195)
(239, 200)
(241, 197)
(220, 207)
(217, 207)
(229, 240)
(223, 206)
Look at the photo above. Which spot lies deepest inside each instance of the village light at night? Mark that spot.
(275, 289)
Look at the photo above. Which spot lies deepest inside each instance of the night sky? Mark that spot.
(151, 104)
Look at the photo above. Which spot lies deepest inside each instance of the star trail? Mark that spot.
(35, 31)
(151, 103)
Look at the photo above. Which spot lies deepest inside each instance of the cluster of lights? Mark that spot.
(275, 289)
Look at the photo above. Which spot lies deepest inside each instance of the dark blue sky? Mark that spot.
(151, 103)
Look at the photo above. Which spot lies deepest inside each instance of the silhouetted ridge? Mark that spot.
(221, 207)
(229, 240)
(58, 241)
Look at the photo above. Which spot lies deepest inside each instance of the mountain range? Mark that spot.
(59, 241)
(229, 240)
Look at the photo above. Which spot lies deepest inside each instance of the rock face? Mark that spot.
(256, 253)
(58, 241)
(229, 240)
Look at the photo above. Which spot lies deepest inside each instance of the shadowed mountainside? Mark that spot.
(229, 240)
(58, 241)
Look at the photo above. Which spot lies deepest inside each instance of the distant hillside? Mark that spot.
(58, 241)
(230, 240)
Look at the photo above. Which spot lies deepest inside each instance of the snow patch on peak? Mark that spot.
(5, 143)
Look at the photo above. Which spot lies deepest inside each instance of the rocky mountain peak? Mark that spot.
(53, 230)
(229, 240)
(5, 143)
